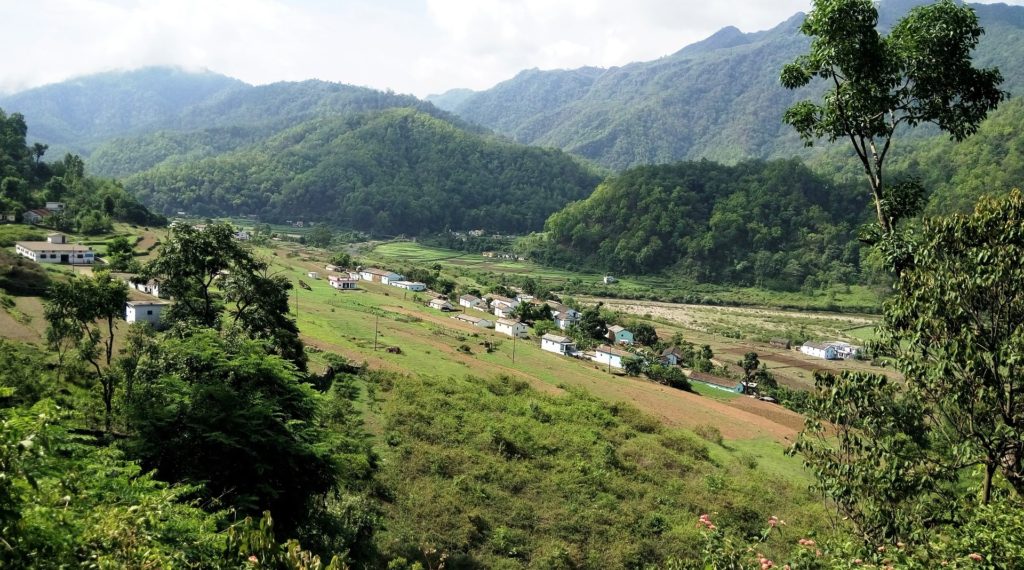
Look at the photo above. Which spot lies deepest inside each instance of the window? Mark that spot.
(149, 312)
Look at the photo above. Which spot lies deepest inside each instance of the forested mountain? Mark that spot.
(718, 99)
(772, 224)
(392, 172)
(74, 114)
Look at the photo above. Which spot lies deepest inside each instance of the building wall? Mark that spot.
(608, 359)
(145, 314)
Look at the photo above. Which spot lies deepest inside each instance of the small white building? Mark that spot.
(504, 303)
(564, 316)
(475, 321)
(144, 311)
(608, 280)
(611, 356)
(820, 350)
(313, 275)
(557, 344)
(55, 206)
(243, 235)
(379, 275)
(55, 250)
(471, 302)
(510, 328)
(409, 285)
(440, 303)
(503, 311)
(151, 287)
(342, 283)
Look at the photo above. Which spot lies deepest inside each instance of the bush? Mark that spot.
(709, 433)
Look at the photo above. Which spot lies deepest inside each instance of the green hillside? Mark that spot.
(718, 99)
(773, 224)
(391, 172)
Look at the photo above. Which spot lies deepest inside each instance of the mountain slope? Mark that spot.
(718, 99)
(74, 114)
(392, 172)
(773, 224)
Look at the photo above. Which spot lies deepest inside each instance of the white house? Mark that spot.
(611, 356)
(144, 311)
(440, 303)
(557, 344)
(510, 327)
(243, 235)
(342, 283)
(151, 287)
(55, 206)
(503, 311)
(498, 300)
(312, 275)
(409, 285)
(564, 315)
(471, 302)
(608, 280)
(846, 350)
(475, 321)
(55, 250)
(820, 350)
(619, 335)
(379, 275)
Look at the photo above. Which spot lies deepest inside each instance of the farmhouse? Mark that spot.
(409, 285)
(671, 356)
(557, 344)
(144, 311)
(611, 356)
(820, 350)
(502, 306)
(471, 302)
(342, 283)
(150, 287)
(475, 321)
(619, 335)
(37, 216)
(564, 315)
(441, 304)
(510, 327)
(55, 250)
(379, 275)
(717, 381)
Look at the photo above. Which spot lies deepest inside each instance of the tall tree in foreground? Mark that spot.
(921, 72)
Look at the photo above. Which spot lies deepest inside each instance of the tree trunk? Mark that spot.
(986, 487)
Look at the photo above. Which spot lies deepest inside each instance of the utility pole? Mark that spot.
(376, 322)
(514, 338)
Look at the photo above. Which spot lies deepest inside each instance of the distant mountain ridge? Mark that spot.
(719, 98)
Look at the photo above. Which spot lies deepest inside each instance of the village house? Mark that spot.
(312, 275)
(557, 344)
(376, 275)
(10, 217)
(502, 307)
(671, 356)
(55, 206)
(145, 312)
(150, 287)
(55, 250)
(409, 285)
(475, 321)
(611, 356)
(608, 280)
(36, 216)
(440, 303)
(717, 382)
(510, 328)
(619, 335)
(342, 283)
(564, 316)
(243, 235)
(471, 302)
(820, 350)
(780, 343)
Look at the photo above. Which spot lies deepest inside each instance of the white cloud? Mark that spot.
(417, 46)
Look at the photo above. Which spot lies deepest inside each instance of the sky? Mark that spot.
(409, 46)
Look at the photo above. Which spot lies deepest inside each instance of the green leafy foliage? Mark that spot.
(772, 224)
(390, 172)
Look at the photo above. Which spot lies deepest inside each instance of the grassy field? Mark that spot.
(481, 270)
